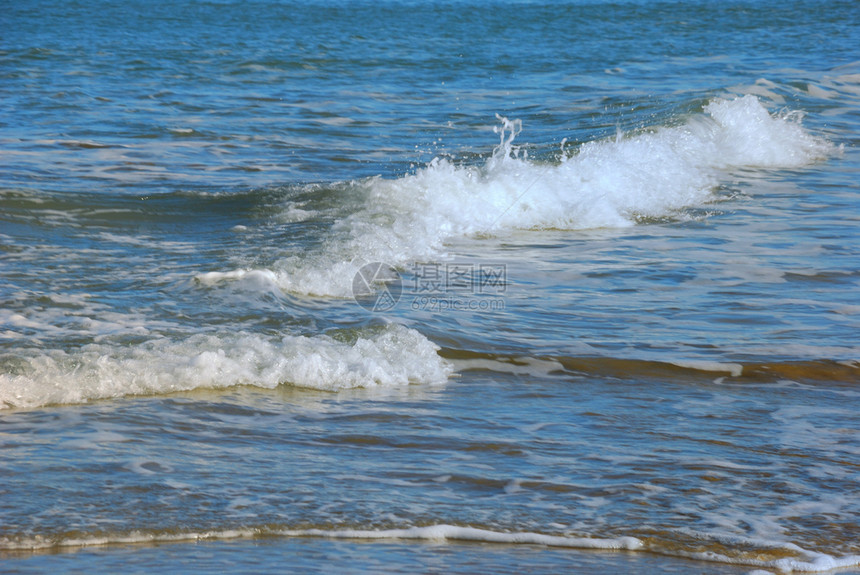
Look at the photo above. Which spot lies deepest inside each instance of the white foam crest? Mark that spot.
(429, 533)
(457, 533)
(805, 561)
(734, 369)
(517, 366)
(394, 356)
(41, 542)
(608, 183)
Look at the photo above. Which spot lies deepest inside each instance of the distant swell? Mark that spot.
(611, 183)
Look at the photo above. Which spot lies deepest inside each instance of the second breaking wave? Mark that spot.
(655, 173)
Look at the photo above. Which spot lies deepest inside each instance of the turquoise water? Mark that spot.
(438, 287)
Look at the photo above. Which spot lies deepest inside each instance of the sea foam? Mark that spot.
(803, 560)
(393, 356)
(608, 183)
(460, 533)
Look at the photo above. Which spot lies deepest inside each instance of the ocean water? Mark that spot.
(443, 287)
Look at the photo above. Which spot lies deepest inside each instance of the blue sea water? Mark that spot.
(412, 286)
